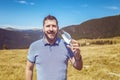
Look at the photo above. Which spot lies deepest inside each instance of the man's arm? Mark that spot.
(77, 62)
(29, 70)
(77, 59)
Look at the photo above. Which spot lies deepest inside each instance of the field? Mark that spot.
(101, 62)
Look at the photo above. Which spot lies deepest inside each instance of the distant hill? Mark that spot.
(18, 39)
(96, 28)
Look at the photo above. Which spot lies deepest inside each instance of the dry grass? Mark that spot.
(12, 64)
(85, 42)
(101, 62)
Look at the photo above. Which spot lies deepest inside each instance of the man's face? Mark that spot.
(50, 29)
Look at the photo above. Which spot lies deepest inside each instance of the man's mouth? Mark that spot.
(51, 32)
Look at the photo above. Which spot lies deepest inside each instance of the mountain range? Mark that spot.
(96, 28)
(18, 39)
(105, 27)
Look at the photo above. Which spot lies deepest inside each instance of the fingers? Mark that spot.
(74, 49)
(75, 44)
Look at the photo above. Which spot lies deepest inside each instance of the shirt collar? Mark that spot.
(56, 42)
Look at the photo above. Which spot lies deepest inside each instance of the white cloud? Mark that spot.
(22, 2)
(25, 2)
(112, 7)
(31, 3)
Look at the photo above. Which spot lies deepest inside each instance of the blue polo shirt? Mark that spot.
(51, 60)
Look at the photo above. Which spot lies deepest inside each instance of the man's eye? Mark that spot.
(48, 26)
(53, 25)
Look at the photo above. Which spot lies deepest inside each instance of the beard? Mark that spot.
(51, 36)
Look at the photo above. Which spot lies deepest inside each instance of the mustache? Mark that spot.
(50, 32)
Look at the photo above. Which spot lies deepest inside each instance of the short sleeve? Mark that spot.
(31, 54)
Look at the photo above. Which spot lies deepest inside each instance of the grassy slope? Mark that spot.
(101, 62)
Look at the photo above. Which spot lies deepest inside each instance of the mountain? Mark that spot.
(17, 39)
(96, 28)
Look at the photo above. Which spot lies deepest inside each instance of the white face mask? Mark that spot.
(66, 36)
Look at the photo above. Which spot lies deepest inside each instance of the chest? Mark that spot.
(50, 55)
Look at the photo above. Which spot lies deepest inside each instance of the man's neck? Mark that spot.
(50, 41)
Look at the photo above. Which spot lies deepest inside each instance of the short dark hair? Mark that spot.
(50, 17)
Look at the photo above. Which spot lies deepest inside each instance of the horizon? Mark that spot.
(29, 14)
(39, 28)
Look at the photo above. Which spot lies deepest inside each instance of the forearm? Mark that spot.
(29, 70)
(29, 74)
(78, 63)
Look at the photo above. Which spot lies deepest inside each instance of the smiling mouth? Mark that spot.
(51, 33)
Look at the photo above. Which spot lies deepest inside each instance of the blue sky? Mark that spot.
(28, 14)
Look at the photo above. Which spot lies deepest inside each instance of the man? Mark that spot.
(51, 54)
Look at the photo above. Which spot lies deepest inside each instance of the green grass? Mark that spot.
(101, 62)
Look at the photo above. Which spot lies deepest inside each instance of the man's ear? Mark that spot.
(58, 28)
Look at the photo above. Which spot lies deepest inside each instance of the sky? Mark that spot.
(29, 14)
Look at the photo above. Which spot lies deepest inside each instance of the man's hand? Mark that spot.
(77, 59)
(75, 47)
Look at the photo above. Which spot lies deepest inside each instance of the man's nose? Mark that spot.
(51, 27)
